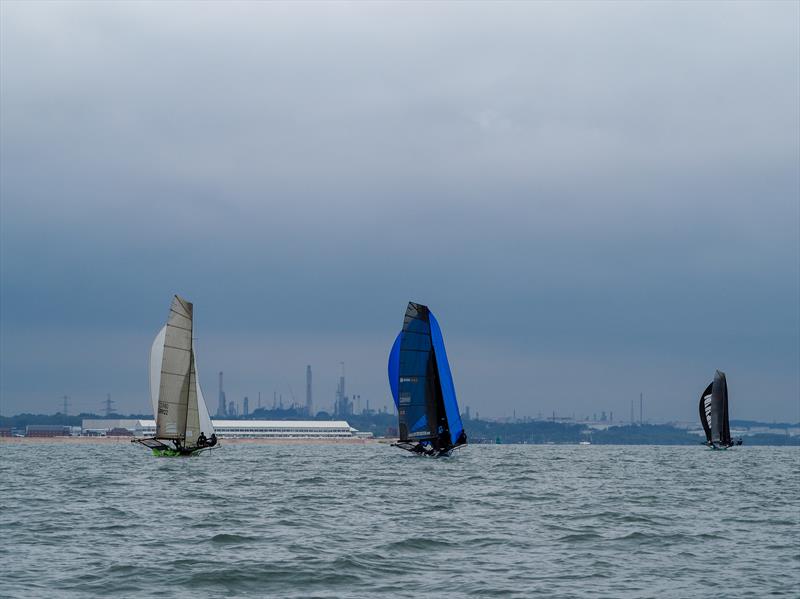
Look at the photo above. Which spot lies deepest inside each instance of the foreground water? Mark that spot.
(366, 521)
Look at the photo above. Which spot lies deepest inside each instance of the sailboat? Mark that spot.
(422, 387)
(714, 414)
(183, 425)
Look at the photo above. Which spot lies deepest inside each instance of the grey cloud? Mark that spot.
(590, 184)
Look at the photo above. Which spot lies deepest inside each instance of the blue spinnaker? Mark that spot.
(446, 381)
(394, 369)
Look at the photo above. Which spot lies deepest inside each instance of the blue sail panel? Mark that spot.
(446, 381)
(394, 370)
(416, 409)
(413, 410)
(420, 424)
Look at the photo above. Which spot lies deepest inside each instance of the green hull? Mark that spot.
(169, 453)
(174, 453)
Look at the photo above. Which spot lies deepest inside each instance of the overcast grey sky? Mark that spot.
(596, 199)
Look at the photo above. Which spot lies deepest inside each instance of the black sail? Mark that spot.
(419, 396)
(714, 411)
(720, 393)
(422, 386)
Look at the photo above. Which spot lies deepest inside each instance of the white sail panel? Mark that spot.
(176, 372)
(205, 419)
(156, 357)
(192, 431)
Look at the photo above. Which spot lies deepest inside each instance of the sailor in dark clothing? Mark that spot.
(202, 441)
(213, 440)
(423, 448)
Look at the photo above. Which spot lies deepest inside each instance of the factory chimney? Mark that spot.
(309, 401)
(340, 405)
(221, 411)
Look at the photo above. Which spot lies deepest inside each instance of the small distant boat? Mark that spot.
(584, 443)
(714, 414)
(183, 425)
(422, 387)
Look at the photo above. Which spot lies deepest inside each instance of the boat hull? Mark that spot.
(428, 452)
(720, 447)
(162, 450)
(174, 453)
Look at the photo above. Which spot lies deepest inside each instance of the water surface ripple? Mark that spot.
(367, 521)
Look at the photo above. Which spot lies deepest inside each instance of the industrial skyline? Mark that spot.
(342, 405)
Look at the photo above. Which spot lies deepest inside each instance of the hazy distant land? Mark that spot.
(507, 431)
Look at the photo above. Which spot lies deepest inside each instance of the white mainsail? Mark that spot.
(178, 405)
(176, 367)
(192, 430)
(156, 357)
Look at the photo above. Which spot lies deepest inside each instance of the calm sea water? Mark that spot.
(367, 521)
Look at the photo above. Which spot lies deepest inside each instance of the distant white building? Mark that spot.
(242, 429)
(101, 426)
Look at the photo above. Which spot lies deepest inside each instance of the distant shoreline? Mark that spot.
(342, 441)
(118, 440)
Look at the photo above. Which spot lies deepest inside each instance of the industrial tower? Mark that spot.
(342, 407)
(309, 402)
(221, 411)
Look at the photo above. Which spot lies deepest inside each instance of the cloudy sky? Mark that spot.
(595, 199)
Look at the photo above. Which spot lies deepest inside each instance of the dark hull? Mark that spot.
(427, 450)
(721, 446)
(162, 450)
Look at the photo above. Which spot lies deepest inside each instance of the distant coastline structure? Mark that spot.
(108, 406)
(342, 405)
(65, 408)
(240, 429)
(309, 400)
(51, 430)
(222, 406)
